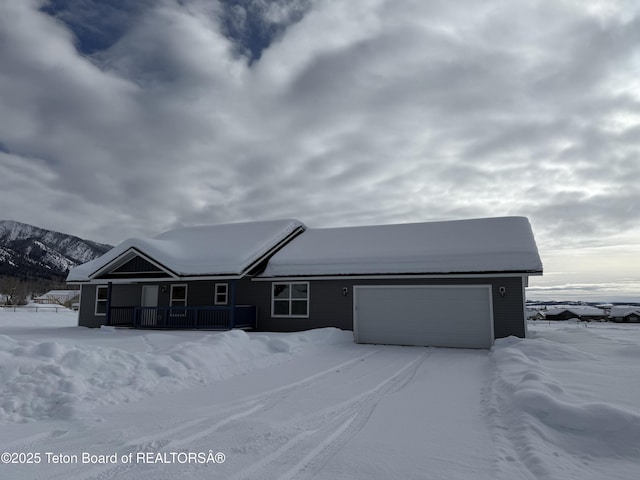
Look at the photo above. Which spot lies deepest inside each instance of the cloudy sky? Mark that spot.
(122, 119)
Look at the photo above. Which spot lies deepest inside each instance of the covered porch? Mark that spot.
(207, 317)
(189, 305)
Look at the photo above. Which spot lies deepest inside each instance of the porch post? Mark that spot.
(108, 312)
(232, 303)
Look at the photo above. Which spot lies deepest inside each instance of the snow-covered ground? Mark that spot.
(78, 403)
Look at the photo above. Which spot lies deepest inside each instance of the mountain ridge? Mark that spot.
(28, 251)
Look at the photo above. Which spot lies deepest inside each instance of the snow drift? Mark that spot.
(48, 379)
(557, 405)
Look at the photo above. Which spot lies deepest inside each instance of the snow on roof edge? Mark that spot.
(183, 250)
(495, 244)
(519, 255)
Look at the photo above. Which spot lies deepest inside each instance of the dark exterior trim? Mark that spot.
(108, 312)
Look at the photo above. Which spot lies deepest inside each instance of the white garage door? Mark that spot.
(437, 316)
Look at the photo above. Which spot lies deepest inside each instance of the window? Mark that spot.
(178, 299)
(102, 293)
(290, 300)
(221, 296)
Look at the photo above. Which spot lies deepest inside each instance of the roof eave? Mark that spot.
(125, 256)
(516, 273)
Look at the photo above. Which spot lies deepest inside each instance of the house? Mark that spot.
(625, 314)
(534, 314)
(452, 283)
(59, 297)
(585, 313)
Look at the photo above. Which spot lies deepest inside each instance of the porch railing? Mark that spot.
(211, 318)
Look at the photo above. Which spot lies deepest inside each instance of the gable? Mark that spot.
(132, 264)
(136, 267)
(208, 250)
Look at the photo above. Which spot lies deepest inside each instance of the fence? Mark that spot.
(33, 308)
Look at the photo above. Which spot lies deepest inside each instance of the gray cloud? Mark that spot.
(356, 112)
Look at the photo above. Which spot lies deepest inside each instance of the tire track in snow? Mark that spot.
(182, 433)
(179, 433)
(325, 433)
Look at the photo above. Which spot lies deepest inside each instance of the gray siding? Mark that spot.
(328, 306)
(86, 317)
(258, 294)
(122, 295)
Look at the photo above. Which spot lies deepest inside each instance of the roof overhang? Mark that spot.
(123, 258)
(107, 272)
(400, 276)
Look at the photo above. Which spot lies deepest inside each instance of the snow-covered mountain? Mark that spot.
(28, 251)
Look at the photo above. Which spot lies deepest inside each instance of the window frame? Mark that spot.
(291, 299)
(101, 300)
(217, 293)
(172, 298)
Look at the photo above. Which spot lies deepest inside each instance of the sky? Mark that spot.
(122, 119)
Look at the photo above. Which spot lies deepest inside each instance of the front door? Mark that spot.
(149, 300)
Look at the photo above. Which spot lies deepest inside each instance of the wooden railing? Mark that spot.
(210, 317)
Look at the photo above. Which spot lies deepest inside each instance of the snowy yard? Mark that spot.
(77, 403)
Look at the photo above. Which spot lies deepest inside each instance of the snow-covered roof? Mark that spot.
(59, 294)
(225, 249)
(623, 310)
(578, 311)
(504, 244)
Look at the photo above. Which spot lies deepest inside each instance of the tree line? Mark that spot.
(19, 290)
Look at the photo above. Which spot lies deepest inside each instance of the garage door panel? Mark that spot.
(446, 316)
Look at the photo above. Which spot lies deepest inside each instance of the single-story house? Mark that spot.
(585, 313)
(625, 314)
(534, 314)
(451, 283)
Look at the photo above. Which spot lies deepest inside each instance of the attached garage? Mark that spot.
(457, 283)
(434, 315)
